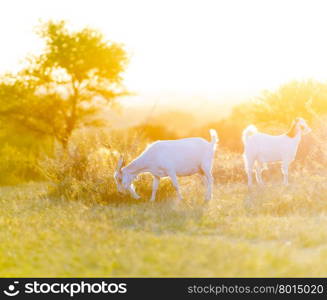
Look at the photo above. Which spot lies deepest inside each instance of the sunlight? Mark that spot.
(167, 138)
(212, 48)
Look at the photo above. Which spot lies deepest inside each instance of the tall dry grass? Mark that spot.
(85, 171)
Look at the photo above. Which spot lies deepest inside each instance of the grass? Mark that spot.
(282, 233)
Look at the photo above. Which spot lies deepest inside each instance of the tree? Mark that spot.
(64, 87)
(273, 111)
(295, 99)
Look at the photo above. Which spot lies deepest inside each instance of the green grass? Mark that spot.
(282, 233)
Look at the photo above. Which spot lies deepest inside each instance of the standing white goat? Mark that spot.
(170, 158)
(261, 148)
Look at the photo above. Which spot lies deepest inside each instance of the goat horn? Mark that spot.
(121, 162)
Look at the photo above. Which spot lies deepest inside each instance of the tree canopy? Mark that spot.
(64, 87)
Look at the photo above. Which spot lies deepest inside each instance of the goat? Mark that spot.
(261, 148)
(170, 158)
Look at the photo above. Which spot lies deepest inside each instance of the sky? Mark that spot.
(215, 49)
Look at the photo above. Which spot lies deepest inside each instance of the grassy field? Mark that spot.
(282, 233)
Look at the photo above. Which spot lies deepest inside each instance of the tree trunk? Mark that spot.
(71, 119)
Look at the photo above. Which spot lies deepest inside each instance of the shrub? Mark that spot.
(85, 171)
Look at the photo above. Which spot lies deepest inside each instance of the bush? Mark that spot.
(85, 171)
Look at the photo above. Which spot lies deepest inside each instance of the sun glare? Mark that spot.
(218, 49)
(120, 120)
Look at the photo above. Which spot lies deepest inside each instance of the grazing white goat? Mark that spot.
(170, 158)
(261, 148)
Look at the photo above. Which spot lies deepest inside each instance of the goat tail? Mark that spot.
(250, 130)
(214, 136)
